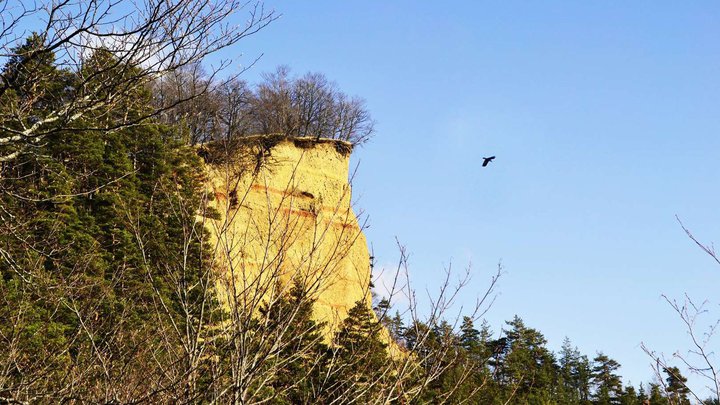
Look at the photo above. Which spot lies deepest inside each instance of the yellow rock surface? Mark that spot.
(285, 214)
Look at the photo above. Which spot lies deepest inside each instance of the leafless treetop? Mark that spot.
(145, 39)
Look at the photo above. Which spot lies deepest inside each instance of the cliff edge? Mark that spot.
(285, 217)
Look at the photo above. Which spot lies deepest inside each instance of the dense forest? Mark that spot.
(107, 290)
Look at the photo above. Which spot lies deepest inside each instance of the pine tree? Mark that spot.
(360, 359)
(642, 396)
(656, 396)
(393, 324)
(676, 387)
(299, 364)
(608, 385)
(528, 369)
(106, 239)
(469, 336)
(396, 327)
(574, 374)
(630, 397)
(474, 344)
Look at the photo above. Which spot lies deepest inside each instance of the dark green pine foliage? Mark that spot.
(30, 323)
(469, 336)
(34, 86)
(608, 384)
(395, 327)
(450, 360)
(104, 244)
(474, 343)
(463, 361)
(656, 396)
(574, 375)
(361, 363)
(630, 396)
(526, 372)
(675, 386)
(422, 341)
(302, 359)
(642, 396)
(393, 324)
(490, 392)
(382, 312)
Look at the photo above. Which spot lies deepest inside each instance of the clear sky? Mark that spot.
(604, 117)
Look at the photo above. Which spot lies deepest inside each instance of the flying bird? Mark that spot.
(487, 160)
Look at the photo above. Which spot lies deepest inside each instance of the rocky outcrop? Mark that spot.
(285, 215)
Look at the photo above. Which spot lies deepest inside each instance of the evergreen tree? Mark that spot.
(463, 361)
(608, 385)
(396, 327)
(642, 396)
(360, 359)
(528, 371)
(33, 82)
(630, 396)
(108, 262)
(676, 387)
(299, 364)
(474, 344)
(469, 336)
(574, 370)
(656, 396)
(393, 324)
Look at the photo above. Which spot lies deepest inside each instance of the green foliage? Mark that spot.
(675, 386)
(302, 361)
(608, 384)
(360, 357)
(630, 397)
(525, 368)
(103, 229)
(574, 375)
(517, 368)
(656, 396)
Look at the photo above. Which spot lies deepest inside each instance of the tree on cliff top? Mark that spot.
(305, 106)
(310, 105)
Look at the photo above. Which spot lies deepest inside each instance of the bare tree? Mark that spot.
(699, 358)
(235, 115)
(273, 103)
(148, 40)
(429, 357)
(197, 117)
(309, 106)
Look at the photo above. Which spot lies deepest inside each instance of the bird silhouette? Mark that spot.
(487, 160)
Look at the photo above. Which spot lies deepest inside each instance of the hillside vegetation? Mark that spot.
(108, 287)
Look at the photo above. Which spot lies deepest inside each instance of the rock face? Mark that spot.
(286, 215)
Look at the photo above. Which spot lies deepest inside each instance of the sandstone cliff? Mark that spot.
(285, 214)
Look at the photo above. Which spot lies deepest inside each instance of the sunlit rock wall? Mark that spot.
(285, 213)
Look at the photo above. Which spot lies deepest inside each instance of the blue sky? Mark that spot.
(604, 117)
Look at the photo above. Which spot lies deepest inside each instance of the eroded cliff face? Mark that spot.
(286, 215)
